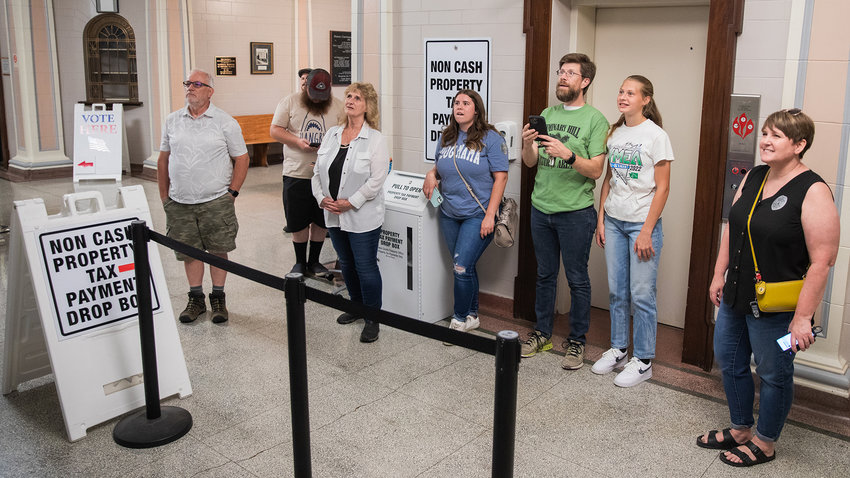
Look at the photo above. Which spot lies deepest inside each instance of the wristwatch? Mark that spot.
(235, 193)
(572, 158)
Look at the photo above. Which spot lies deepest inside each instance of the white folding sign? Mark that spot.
(99, 141)
(71, 308)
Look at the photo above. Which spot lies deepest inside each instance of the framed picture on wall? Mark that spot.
(262, 58)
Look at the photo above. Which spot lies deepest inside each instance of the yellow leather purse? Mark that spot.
(773, 296)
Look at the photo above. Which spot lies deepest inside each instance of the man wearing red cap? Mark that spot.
(300, 122)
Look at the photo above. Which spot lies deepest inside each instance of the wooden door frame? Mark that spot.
(724, 25)
(537, 26)
(4, 136)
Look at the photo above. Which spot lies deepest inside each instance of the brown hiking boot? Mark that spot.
(194, 308)
(219, 307)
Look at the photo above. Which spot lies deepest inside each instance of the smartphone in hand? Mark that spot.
(785, 342)
(436, 198)
(538, 123)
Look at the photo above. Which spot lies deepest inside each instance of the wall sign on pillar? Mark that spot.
(452, 65)
(340, 58)
(107, 6)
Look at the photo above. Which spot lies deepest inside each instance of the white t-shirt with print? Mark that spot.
(633, 153)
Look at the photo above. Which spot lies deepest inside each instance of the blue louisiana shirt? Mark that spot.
(477, 168)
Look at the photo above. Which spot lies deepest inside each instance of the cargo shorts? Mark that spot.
(210, 226)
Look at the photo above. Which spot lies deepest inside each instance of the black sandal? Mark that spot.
(759, 455)
(727, 443)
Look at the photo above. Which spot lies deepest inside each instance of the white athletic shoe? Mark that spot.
(611, 359)
(634, 373)
(471, 323)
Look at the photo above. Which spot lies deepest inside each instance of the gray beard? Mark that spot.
(566, 96)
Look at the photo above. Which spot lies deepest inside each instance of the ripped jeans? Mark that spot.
(463, 238)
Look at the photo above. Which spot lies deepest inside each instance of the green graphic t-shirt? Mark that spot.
(560, 188)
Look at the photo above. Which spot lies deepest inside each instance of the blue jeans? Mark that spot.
(569, 235)
(358, 260)
(736, 336)
(463, 238)
(631, 284)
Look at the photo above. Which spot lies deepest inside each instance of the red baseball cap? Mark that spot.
(319, 85)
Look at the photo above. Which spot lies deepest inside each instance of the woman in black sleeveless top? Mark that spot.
(795, 232)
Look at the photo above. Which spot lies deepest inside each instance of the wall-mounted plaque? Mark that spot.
(340, 58)
(225, 66)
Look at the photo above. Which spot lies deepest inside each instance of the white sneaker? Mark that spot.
(634, 373)
(471, 323)
(611, 359)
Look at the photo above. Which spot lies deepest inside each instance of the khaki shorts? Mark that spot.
(209, 226)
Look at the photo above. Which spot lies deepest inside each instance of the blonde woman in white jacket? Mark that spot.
(348, 183)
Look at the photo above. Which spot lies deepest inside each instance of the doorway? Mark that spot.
(668, 46)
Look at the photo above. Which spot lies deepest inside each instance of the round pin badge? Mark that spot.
(778, 203)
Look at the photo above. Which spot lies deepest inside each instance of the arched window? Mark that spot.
(110, 49)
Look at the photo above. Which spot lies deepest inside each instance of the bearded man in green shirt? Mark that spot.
(569, 160)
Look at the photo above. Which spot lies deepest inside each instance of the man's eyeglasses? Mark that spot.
(793, 111)
(569, 74)
(196, 84)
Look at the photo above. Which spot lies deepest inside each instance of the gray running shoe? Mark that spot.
(536, 342)
(574, 358)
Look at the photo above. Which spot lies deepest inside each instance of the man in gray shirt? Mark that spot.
(203, 162)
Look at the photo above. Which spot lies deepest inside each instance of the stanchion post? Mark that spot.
(504, 410)
(157, 425)
(142, 269)
(296, 333)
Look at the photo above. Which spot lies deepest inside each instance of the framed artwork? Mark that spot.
(262, 58)
(106, 6)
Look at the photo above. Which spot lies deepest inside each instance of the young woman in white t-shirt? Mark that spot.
(635, 189)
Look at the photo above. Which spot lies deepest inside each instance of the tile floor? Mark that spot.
(404, 406)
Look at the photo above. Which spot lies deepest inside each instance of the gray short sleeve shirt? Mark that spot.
(199, 166)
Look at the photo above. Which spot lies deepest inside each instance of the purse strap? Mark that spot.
(749, 236)
(468, 187)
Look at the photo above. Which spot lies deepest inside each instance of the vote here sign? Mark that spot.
(452, 65)
(92, 276)
(98, 141)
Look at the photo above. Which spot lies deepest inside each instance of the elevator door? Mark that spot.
(668, 46)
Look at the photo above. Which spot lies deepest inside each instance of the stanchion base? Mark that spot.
(137, 431)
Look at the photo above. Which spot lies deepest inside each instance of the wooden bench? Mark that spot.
(255, 130)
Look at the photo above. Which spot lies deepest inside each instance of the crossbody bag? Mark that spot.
(507, 219)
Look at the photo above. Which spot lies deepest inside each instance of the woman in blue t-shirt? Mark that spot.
(471, 170)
